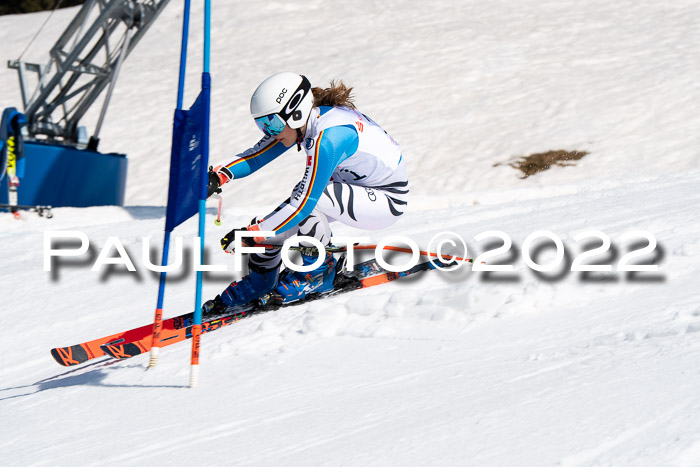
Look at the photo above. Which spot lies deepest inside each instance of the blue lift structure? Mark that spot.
(60, 164)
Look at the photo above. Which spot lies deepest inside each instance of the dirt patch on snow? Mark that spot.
(536, 163)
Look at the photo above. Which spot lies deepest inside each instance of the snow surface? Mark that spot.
(560, 368)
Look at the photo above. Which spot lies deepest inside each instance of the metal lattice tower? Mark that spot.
(84, 60)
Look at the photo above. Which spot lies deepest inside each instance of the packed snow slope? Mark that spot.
(459, 368)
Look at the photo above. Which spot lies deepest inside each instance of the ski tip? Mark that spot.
(69, 356)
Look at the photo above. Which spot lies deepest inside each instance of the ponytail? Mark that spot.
(337, 95)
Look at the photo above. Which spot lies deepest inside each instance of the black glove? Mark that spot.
(227, 241)
(214, 183)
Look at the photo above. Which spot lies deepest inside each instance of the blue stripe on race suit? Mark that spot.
(334, 145)
(343, 140)
(253, 159)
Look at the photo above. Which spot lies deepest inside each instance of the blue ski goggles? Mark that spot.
(271, 125)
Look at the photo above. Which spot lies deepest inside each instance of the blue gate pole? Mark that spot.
(206, 100)
(183, 54)
(158, 319)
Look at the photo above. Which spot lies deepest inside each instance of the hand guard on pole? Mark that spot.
(227, 241)
(214, 185)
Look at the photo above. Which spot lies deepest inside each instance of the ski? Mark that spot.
(81, 353)
(368, 273)
(40, 210)
(182, 329)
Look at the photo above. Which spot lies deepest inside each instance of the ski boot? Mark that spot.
(295, 285)
(253, 286)
(214, 306)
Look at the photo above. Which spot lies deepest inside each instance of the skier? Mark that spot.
(354, 174)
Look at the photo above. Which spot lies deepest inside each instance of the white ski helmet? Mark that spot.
(283, 98)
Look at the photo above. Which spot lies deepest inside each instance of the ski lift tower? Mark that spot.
(60, 164)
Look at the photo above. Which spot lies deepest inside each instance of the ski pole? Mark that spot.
(218, 212)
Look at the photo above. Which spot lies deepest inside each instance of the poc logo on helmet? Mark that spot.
(281, 96)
